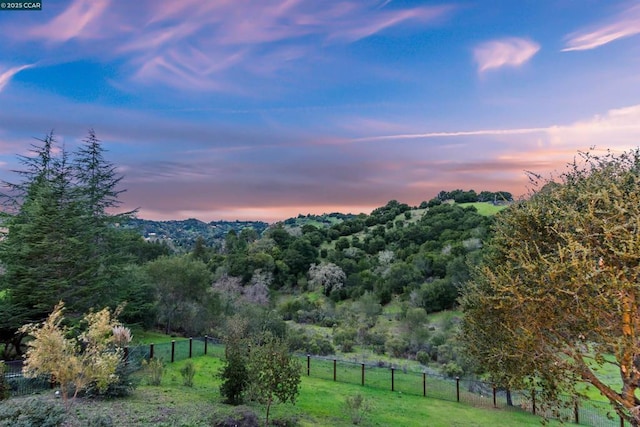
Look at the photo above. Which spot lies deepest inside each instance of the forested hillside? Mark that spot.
(181, 235)
(343, 282)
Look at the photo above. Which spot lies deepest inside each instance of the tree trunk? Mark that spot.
(509, 399)
(266, 423)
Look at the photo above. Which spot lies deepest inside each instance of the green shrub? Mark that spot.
(4, 386)
(423, 357)
(396, 346)
(452, 370)
(357, 407)
(345, 338)
(154, 370)
(122, 387)
(235, 378)
(188, 371)
(32, 412)
(100, 420)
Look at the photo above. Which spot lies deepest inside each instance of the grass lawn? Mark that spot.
(320, 403)
(485, 208)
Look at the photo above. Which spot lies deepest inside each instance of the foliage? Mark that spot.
(75, 363)
(4, 387)
(179, 282)
(235, 374)
(274, 373)
(154, 368)
(357, 407)
(557, 295)
(188, 371)
(61, 242)
(328, 277)
(184, 234)
(31, 412)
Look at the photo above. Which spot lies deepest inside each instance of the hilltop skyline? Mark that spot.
(263, 110)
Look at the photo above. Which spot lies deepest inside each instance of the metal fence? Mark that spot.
(374, 375)
(471, 392)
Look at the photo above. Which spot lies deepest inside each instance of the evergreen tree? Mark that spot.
(59, 241)
(97, 183)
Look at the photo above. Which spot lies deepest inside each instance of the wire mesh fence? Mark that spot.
(374, 375)
(471, 392)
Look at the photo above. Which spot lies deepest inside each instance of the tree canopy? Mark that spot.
(557, 296)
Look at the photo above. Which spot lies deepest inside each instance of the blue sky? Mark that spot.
(233, 109)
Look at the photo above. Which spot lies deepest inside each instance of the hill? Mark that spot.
(182, 234)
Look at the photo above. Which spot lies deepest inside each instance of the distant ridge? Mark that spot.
(182, 234)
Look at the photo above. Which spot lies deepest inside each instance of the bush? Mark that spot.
(122, 387)
(30, 413)
(235, 378)
(188, 371)
(100, 420)
(300, 341)
(423, 357)
(154, 369)
(357, 407)
(345, 338)
(396, 346)
(452, 369)
(4, 386)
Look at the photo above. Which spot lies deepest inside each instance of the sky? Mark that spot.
(266, 109)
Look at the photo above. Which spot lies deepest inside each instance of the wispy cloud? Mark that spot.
(511, 52)
(625, 24)
(202, 45)
(6, 76)
(482, 132)
(620, 127)
(80, 19)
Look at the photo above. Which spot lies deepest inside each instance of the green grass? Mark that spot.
(320, 403)
(485, 208)
(141, 336)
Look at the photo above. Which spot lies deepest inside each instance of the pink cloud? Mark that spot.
(6, 76)
(78, 20)
(198, 44)
(511, 52)
(626, 24)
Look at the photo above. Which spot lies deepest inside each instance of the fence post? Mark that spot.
(363, 374)
(576, 412)
(190, 347)
(126, 355)
(393, 379)
(533, 401)
(334, 369)
(308, 364)
(458, 389)
(173, 350)
(206, 341)
(494, 396)
(424, 384)
(151, 351)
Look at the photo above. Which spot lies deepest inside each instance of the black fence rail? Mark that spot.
(471, 392)
(168, 352)
(392, 378)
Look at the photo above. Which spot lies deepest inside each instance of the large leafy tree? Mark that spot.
(558, 294)
(181, 284)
